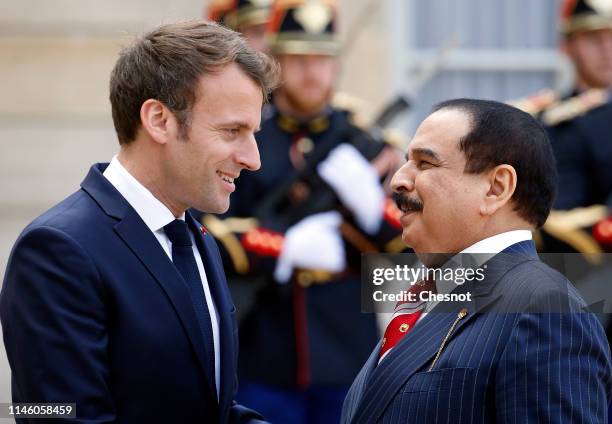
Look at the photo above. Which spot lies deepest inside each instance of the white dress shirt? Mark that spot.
(156, 215)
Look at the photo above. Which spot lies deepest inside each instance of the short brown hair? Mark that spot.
(166, 63)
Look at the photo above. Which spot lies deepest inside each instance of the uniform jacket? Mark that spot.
(583, 150)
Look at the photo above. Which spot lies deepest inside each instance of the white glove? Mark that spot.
(356, 183)
(313, 243)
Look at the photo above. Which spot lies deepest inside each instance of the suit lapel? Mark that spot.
(223, 303)
(141, 241)
(418, 348)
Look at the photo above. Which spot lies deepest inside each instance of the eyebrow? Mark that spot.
(422, 151)
(239, 124)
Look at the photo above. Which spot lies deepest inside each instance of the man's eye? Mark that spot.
(424, 164)
(232, 131)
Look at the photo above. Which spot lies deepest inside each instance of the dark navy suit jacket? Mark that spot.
(94, 312)
(499, 365)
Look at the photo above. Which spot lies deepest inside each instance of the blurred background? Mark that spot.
(56, 57)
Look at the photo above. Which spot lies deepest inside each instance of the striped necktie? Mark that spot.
(405, 316)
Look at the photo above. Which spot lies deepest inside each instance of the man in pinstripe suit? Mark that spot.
(479, 177)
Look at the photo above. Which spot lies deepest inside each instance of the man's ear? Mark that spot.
(158, 121)
(502, 184)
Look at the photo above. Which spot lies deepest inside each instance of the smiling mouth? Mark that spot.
(227, 177)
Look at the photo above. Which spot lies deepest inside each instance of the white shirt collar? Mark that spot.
(477, 254)
(153, 212)
(498, 242)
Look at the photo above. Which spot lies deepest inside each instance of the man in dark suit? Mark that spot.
(115, 299)
(479, 178)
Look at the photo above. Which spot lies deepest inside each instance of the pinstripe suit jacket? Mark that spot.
(522, 365)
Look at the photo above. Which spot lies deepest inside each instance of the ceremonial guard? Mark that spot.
(248, 17)
(579, 124)
(297, 229)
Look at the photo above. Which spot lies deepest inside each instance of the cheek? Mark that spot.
(322, 79)
(432, 189)
(446, 201)
(292, 77)
(588, 56)
(330, 76)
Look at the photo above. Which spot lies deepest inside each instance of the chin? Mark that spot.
(218, 207)
(408, 238)
(407, 241)
(315, 104)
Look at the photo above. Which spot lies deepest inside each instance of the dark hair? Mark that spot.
(502, 134)
(166, 63)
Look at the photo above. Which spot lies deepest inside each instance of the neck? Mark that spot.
(142, 166)
(504, 225)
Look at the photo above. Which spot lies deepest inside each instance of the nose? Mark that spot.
(248, 155)
(403, 179)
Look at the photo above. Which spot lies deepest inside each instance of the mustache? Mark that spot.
(406, 204)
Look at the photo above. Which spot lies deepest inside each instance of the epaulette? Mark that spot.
(348, 102)
(355, 107)
(572, 227)
(395, 137)
(356, 114)
(575, 106)
(537, 102)
(225, 231)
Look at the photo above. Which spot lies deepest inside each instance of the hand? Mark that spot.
(313, 243)
(356, 183)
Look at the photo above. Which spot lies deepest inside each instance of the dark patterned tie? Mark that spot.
(184, 260)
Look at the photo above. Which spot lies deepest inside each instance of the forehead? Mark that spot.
(229, 80)
(440, 133)
(227, 97)
(229, 89)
